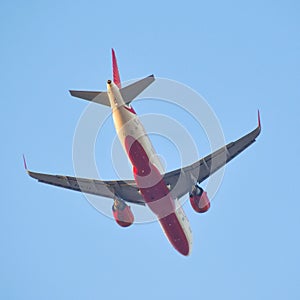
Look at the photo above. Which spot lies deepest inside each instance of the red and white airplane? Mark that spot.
(151, 186)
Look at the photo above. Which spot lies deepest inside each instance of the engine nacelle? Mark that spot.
(199, 200)
(122, 213)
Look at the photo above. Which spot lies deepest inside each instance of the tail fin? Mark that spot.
(116, 74)
(128, 92)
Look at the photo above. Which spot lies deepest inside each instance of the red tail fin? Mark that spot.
(116, 74)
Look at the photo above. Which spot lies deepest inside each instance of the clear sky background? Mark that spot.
(240, 56)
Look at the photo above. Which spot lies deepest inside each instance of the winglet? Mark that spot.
(258, 116)
(24, 161)
(116, 74)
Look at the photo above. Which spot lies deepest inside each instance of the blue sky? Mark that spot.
(240, 56)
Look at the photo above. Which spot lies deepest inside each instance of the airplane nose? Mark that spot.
(108, 81)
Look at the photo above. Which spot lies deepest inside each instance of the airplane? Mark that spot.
(151, 187)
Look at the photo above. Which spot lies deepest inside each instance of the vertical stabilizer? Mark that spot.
(116, 74)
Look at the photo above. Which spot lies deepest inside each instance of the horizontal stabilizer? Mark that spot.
(131, 91)
(128, 92)
(98, 97)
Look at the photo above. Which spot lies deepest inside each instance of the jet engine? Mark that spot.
(122, 213)
(199, 200)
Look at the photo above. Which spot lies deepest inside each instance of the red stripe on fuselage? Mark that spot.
(175, 233)
(156, 194)
(129, 108)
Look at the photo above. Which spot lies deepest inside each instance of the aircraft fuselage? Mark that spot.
(148, 172)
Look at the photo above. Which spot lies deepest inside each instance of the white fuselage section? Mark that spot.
(127, 124)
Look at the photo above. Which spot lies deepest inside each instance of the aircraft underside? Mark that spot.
(152, 187)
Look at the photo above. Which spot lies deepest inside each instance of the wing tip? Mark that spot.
(24, 162)
(258, 128)
(25, 165)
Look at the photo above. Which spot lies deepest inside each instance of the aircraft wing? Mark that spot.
(127, 191)
(182, 180)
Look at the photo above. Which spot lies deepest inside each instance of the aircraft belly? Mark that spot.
(158, 197)
(175, 233)
(127, 123)
(148, 172)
